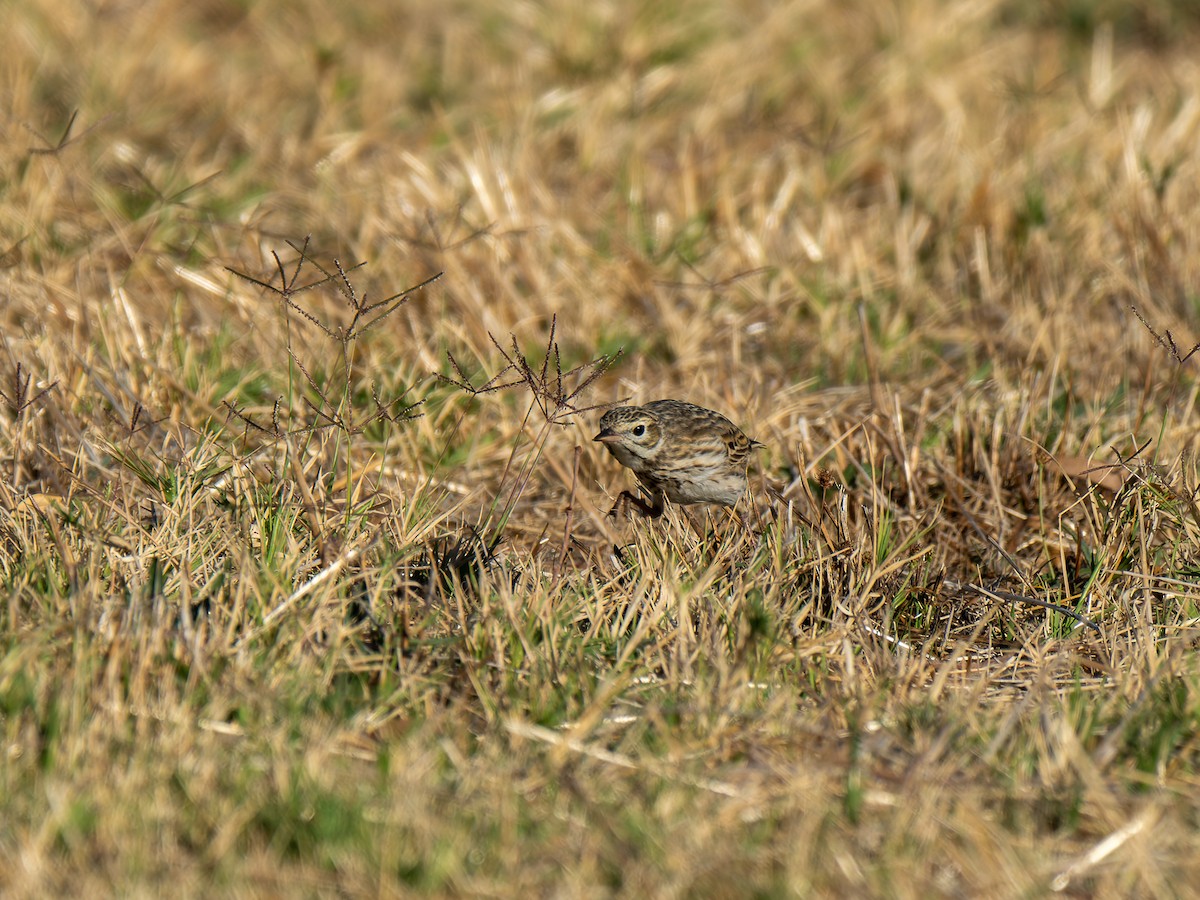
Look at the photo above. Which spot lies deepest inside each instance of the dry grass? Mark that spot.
(312, 591)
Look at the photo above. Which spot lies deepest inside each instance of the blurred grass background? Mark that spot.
(305, 599)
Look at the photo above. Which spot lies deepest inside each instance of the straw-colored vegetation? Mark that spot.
(312, 591)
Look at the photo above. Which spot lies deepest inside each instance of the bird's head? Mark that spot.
(630, 431)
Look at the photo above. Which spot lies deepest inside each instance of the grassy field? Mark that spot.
(308, 312)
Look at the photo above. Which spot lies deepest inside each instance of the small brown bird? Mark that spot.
(677, 450)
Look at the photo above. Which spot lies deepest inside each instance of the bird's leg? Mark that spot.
(753, 533)
(649, 510)
(760, 522)
(698, 530)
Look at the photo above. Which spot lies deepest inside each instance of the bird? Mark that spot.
(679, 452)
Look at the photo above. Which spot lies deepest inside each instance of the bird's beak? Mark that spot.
(606, 437)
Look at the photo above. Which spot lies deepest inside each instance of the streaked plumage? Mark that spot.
(677, 450)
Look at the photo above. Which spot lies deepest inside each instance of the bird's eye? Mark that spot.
(639, 430)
